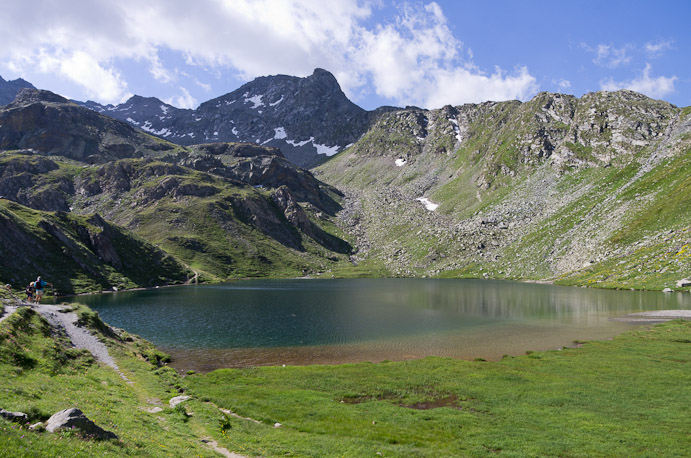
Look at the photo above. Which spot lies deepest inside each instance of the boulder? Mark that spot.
(19, 417)
(683, 283)
(177, 400)
(75, 419)
(667, 290)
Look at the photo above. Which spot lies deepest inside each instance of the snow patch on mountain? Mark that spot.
(164, 109)
(321, 149)
(280, 133)
(276, 102)
(457, 130)
(147, 127)
(400, 162)
(256, 100)
(328, 150)
(299, 144)
(429, 205)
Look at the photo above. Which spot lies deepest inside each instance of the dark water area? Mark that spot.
(274, 322)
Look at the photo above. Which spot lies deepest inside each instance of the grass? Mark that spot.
(626, 397)
(41, 374)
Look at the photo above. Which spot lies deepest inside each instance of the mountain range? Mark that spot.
(591, 191)
(309, 119)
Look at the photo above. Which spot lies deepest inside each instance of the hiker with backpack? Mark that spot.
(30, 292)
(39, 285)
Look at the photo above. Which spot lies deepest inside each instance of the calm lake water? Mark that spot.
(274, 322)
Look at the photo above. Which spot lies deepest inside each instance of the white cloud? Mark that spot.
(413, 59)
(655, 87)
(607, 55)
(158, 70)
(462, 86)
(658, 48)
(98, 81)
(184, 100)
(418, 61)
(564, 84)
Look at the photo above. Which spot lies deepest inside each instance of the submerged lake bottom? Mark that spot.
(299, 322)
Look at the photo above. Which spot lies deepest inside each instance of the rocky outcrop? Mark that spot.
(101, 238)
(260, 214)
(51, 125)
(75, 419)
(22, 180)
(19, 417)
(297, 216)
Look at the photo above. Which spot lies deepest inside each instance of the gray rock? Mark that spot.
(177, 400)
(40, 426)
(75, 419)
(19, 417)
(667, 290)
(683, 283)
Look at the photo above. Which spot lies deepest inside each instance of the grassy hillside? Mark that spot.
(78, 253)
(42, 374)
(220, 227)
(590, 191)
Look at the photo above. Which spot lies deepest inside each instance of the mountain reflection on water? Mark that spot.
(260, 322)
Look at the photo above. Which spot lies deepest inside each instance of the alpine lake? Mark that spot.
(303, 321)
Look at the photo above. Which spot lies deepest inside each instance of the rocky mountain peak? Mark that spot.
(9, 89)
(27, 96)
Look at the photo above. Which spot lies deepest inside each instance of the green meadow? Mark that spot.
(625, 397)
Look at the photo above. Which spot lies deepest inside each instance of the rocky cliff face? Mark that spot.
(308, 118)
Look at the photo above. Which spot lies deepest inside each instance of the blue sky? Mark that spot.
(401, 53)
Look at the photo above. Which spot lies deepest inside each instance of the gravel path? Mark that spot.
(9, 310)
(80, 337)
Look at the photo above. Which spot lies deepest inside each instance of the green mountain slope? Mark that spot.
(224, 210)
(78, 253)
(580, 191)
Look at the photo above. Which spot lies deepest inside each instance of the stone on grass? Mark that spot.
(19, 417)
(75, 419)
(177, 400)
(37, 427)
(683, 283)
(667, 290)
